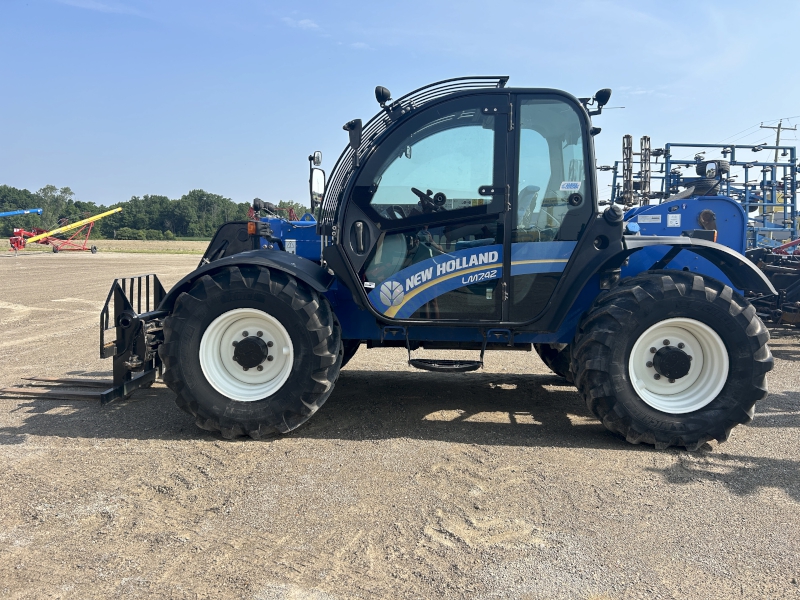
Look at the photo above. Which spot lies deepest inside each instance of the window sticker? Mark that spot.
(649, 219)
(570, 186)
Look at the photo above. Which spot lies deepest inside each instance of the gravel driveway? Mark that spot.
(406, 484)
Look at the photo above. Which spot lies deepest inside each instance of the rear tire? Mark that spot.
(558, 361)
(298, 369)
(718, 330)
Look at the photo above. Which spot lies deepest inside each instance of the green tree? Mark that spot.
(298, 208)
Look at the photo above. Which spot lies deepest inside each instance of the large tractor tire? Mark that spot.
(557, 359)
(250, 351)
(671, 358)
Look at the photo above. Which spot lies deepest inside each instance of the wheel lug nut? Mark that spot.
(649, 364)
(259, 368)
(270, 358)
(259, 333)
(652, 350)
(656, 376)
(270, 344)
(666, 342)
(672, 381)
(245, 368)
(235, 343)
(681, 345)
(245, 334)
(690, 358)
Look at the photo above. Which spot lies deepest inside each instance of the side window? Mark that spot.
(551, 170)
(552, 202)
(534, 176)
(434, 166)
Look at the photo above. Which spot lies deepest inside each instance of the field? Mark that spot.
(406, 484)
(127, 246)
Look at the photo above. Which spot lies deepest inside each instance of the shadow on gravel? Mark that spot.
(742, 475)
(482, 408)
(485, 408)
(785, 344)
(778, 410)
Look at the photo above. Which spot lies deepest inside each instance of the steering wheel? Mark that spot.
(430, 204)
(395, 212)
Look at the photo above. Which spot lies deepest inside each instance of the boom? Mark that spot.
(24, 211)
(71, 226)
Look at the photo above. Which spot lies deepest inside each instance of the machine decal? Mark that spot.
(540, 257)
(409, 289)
(570, 186)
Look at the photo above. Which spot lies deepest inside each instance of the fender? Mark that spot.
(301, 268)
(742, 273)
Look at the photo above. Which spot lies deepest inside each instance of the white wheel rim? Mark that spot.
(226, 375)
(707, 374)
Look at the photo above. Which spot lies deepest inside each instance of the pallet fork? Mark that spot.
(138, 327)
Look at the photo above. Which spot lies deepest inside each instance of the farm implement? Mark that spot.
(463, 216)
(24, 211)
(78, 241)
(744, 197)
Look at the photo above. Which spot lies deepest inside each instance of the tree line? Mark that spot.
(195, 214)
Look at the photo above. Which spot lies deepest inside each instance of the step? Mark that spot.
(444, 365)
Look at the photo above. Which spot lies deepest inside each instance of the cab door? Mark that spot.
(552, 198)
(425, 228)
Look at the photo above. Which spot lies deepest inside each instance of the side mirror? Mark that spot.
(316, 158)
(316, 184)
(711, 170)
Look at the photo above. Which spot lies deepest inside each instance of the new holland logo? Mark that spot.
(392, 293)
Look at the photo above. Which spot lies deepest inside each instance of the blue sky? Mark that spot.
(116, 98)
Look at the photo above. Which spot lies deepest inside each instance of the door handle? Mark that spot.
(359, 225)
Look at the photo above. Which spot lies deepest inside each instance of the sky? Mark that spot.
(121, 98)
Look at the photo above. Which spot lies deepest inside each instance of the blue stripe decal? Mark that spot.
(409, 289)
(540, 257)
(402, 294)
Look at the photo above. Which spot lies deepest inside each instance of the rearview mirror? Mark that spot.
(711, 170)
(317, 187)
(316, 158)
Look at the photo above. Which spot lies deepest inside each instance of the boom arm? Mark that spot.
(71, 226)
(24, 211)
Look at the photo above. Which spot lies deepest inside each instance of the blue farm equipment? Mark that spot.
(723, 193)
(463, 216)
(24, 211)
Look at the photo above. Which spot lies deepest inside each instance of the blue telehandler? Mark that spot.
(463, 216)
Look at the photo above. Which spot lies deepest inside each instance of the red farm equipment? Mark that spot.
(78, 241)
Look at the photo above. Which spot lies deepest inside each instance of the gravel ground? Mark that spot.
(406, 484)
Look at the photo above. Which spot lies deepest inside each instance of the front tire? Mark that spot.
(703, 354)
(250, 351)
(557, 359)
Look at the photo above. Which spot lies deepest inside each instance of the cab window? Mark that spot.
(435, 165)
(551, 170)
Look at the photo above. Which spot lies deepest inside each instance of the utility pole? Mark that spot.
(778, 134)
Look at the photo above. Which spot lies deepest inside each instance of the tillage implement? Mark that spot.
(463, 216)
